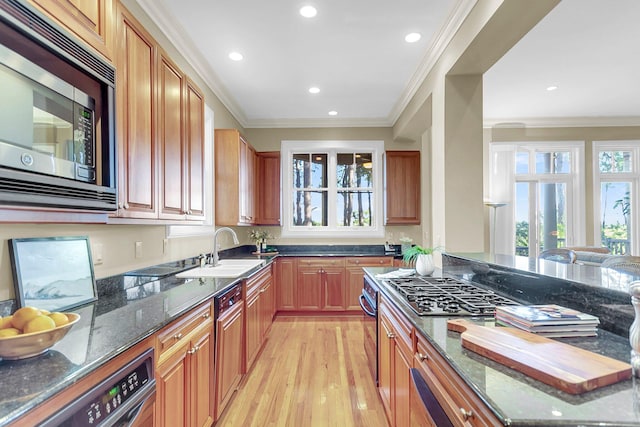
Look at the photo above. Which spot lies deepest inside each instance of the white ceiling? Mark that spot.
(354, 51)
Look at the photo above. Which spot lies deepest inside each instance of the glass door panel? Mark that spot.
(615, 216)
(552, 214)
(523, 222)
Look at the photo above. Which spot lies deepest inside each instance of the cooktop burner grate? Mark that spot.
(432, 296)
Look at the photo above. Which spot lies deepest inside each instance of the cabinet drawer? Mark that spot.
(456, 398)
(401, 326)
(177, 331)
(378, 261)
(321, 262)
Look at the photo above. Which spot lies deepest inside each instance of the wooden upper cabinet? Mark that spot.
(135, 97)
(234, 178)
(90, 20)
(402, 187)
(170, 139)
(194, 151)
(160, 139)
(268, 171)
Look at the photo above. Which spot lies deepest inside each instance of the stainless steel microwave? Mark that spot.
(48, 126)
(57, 116)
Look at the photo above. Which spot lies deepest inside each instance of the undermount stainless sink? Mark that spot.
(227, 268)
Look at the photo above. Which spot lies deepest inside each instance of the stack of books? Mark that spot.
(548, 320)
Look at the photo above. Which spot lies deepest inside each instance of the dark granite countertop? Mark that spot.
(130, 307)
(519, 400)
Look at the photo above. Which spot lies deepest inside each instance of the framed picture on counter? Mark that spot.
(52, 273)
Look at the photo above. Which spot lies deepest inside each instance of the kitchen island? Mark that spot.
(515, 398)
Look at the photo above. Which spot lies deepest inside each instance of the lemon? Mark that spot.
(45, 312)
(6, 322)
(23, 315)
(39, 324)
(59, 318)
(9, 332)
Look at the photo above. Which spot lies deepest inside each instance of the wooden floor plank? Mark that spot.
(312, 372)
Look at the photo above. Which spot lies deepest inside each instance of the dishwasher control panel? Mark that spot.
(112, 399)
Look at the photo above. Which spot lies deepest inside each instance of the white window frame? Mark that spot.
(576, 217)
(332, 148)
(634, 177)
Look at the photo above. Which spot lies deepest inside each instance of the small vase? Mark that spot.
(424, 265)
(258, 245)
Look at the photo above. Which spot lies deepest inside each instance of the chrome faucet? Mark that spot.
(214, 254)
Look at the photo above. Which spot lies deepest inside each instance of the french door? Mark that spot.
(542, 212)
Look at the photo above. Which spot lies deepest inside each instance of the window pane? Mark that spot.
(364, 169)
(310, 208)
(522, 218)
(354, 170)
(309, 170)
(522, 162)
(615, 211)
(553, 162)
(615, 161)
(354, 208)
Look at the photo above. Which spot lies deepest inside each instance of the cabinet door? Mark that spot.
(137, 156)
(253, 337)
(268, 209)
(227, 176)
(90, 20)
(267, 307)
(385, 360)
(172, 393)
(334, 289)
(170, 139)
(194, 152)
(310, 286)
(402, 384)
(201, 376)
(247, 182)
(229, 348)
(402, 187)
(285, 282)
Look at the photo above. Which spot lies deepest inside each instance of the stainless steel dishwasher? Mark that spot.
(118, 400)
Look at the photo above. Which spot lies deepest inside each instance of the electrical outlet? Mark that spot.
(165, 245)
(97, 253)
(138, 249)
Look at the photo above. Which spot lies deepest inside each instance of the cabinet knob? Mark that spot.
(357, 261)
(126, 205)
(466, 414)
(422, 357)
(381, 261)
(193, 350)
(177, 336)
(206, 315)
(391, 335)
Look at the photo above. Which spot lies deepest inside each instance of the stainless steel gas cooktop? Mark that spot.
(446, 296)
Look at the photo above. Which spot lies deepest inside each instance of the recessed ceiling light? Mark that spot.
(552, 88)
(314, 90)
(308, 11)
(333, 113)
(235, 56)
(412, 37)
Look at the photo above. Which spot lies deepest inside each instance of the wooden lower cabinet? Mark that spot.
(229, 360)
(184, 372)
(395, 355)
(259, 311)
(354, 276)
(286, 292)
(321, 284)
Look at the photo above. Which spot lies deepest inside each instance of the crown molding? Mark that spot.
(175, 33)
(558, 122)
(453, 22)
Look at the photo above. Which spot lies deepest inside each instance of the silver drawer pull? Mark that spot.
(391, 335)
(206, 315)
(177, 336)
(423, 356)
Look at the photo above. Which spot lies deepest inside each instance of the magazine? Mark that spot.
(546, 314)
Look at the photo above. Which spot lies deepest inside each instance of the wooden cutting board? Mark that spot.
(568, 368)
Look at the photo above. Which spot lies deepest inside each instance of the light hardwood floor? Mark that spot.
(311, 372)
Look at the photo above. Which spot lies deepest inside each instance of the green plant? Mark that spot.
(260, 236)
(411, 254)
